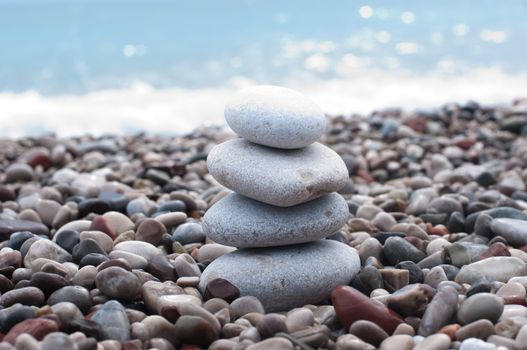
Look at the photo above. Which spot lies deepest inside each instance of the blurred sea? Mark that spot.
(97, 66)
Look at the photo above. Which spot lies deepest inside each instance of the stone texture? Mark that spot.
(275, 116)
(287, 276)
(277, 177)
(242, 222)
(493, 269)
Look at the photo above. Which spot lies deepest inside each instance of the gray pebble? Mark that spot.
(275, 116)
(284, 177)
(242, 222)
(289, 276)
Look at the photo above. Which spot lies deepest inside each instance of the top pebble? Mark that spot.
(275, 116)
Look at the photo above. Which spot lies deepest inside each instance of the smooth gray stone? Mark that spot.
(497, 268)
(506, 212)
(112, 318)
(44, 248)
(480, 306)
(439, 311)
(397, 249)
(277, 177)
(275, 116)
(243, 222)
(8, 227)
(514, 231)
(286, 277)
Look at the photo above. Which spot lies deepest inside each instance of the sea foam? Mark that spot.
(174, 110)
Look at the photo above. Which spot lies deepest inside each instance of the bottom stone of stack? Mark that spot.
(286, 277)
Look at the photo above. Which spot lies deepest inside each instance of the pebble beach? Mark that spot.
(106, 241)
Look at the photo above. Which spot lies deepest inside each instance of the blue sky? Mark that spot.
(67, 46)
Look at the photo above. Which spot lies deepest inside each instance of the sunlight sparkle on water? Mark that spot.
(365, 11)
(460, 29)
(408, 17)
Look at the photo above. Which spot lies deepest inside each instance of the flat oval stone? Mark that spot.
(243, 222)
(76, 295)
(37, 327)
(118, 283)
(439, 311)
(277, 177)
(26, 296)
(499, 268)
(44, 248)
(480, 329)
(7, 227)
(275, 116)
(397, 249)
(368, 331)
(189, 232)
(18, 172)
(288, 276)
(514, 231)
(506, 212)
(480, 306)
(151, 231)
(195, 330)
(143, 249)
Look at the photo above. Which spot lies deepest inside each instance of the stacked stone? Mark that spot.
(284, 203)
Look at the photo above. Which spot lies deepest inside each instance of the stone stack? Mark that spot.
(283, 206)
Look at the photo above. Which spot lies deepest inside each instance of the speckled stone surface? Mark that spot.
(497, 268)
(278, 177)
(286, 277)
(243, 222)
(275, 116)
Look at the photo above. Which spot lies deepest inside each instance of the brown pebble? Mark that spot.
(134, 344)
(195, 330)
(151, 231)
(495, 249)
(271, 324)
(395, 279)
(478, 329)
(36, 327)
(223, 289)
(450, 330)
(243, 305)
(368, 331)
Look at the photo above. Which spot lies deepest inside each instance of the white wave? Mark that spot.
(143, 108)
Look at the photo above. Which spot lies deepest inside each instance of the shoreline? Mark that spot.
(142, 107)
